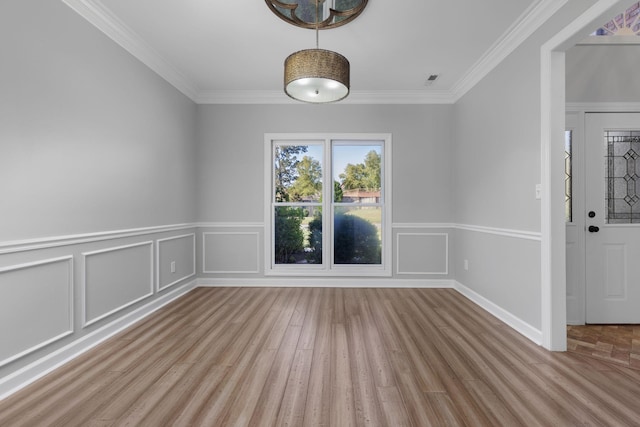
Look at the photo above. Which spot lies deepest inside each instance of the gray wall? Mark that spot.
(497, 163)
(231, 154)
(97, 161)
(231, 180)
(91, 139)
(603, 73)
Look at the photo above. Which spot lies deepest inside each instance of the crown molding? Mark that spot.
(532, 19)
(609, 41)
(101, 18)
(424, 96)
(603, 107)
(355, 97)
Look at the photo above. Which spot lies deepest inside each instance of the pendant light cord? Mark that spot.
(317, 13)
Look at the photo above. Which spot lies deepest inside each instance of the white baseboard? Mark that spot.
(324, 282)
(514, 322)
(30, 373)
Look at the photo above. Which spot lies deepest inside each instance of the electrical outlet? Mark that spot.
(466, 265)
(173, 266)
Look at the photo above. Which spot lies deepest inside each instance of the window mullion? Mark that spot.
(327, 208)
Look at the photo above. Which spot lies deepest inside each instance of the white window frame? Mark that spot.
(328, 268)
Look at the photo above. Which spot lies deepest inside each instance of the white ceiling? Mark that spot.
(233, 51)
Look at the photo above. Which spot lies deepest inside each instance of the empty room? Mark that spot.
(319, 212)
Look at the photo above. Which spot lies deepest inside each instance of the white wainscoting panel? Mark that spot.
(231, 252)
(116, 278)
(19, 379)
(37, 306)
(176, 260)
(422, 253)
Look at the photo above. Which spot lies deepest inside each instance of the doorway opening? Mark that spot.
(553, 103)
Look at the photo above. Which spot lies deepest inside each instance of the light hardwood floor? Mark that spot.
(339, 357)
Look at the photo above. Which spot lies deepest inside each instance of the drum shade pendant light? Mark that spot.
(316, 75)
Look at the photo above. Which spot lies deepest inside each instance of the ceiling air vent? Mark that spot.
(431, 79)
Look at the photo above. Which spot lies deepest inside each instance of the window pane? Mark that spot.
(298, 235)
(623, 176)
(357, 171)
(356, 235)
(297, 173)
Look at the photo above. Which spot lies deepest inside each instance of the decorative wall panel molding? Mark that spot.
(517, 234)
(230, 224)
(76, 239)
(231, 252)
(116, 278)
(423, 225)
(422, 253)
(175, 260)
(507, 232)
(36, 308)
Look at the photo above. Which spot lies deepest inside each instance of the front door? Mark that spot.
(613, 217)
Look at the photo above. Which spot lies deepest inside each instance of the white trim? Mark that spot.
(41, 367)
(74, 239)
(532, 19)
(424, 96)
(609, 40)
(158, 244)
(204, 252)
(512, 321)
(528, 22)
(328, 268)
(85, 255)
(101, 18)
(69, 331)
(230, 224)
(324, 282)
(426, 225)
(553, 110)
(418, 96)
(517, 234)
(446, 262)
(603, 107)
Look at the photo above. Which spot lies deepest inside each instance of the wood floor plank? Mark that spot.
(364, 387)
(392, 407)
(292, 408)
(378, 357)
(342, 399)
(331, 357)
(318, 405)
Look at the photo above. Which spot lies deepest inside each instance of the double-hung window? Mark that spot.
(328, 204)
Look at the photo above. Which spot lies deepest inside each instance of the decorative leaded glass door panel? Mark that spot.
(613, 218)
